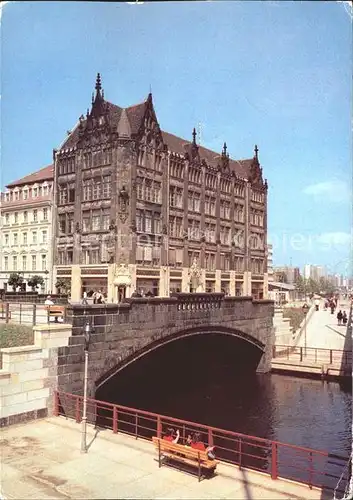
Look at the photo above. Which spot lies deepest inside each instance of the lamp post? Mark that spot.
(46, 272)
(87, 338)
(305, 309)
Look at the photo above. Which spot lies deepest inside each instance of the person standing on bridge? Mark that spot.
(317, 304)
(344, 318)
(339, 317)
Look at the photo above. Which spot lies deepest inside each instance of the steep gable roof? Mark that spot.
(177, 145)
(44, 174)
(135, 115)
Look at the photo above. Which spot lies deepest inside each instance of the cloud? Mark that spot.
(332, 191)
(335, 239)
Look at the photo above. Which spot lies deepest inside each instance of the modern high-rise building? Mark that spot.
(141, 209)
(315, 272)
(26, 228)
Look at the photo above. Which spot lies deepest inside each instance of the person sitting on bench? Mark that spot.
(197, 444)
(172, 436)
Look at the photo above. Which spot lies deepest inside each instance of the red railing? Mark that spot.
(317, 355)
(304, 465)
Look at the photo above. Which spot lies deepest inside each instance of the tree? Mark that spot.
(15, 280)
(35, 281)
(63, 285)
(300, 285)
(312, 286)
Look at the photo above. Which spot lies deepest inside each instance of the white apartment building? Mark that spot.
(26, 228)
(270, 262)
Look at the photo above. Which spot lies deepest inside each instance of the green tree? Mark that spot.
(300, 285)
(35, 281)
(312, 286)
(15, 280)
(63, 285)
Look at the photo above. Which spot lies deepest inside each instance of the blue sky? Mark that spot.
(277, 74)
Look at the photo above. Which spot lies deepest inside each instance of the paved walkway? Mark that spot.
(323, 331)
(42, 460)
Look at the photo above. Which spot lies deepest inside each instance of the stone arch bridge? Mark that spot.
(124, 333)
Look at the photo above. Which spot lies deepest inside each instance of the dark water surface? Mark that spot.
(213, 381)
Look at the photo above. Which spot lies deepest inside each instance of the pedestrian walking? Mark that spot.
(344, 318)
(339, 317)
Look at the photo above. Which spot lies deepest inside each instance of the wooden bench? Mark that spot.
(185, 454)
(56, 312)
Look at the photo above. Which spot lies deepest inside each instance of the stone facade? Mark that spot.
(29, 375)
(139, 209)
(122, 333)
(26, 228)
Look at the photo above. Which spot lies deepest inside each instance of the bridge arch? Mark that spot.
(178, 335)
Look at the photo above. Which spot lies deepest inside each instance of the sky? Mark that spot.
(276, 74)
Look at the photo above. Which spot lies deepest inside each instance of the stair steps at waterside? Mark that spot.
(283, 329)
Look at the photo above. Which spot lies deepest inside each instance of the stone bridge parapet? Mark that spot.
(124, 332)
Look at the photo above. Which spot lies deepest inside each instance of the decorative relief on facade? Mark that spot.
(122, 276)
(123, 204)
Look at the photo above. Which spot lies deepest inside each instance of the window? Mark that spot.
(35, 215)
(34, 262)
(86, 226)
(45, 214)
(25, 194)
(71, 196)
(157, 223)
(139, 221)
(6, 263)
(44, 262)
(14, 263)
(105, 221)
(96, 220)
(210, 261)
(70, 223)
(24, 238)
(194, 201)
(210, 233)
(25, 216)
(194, 229)
(35, 192)
(148, 221)
(176, 197)
(34, 237)
(107, 186)
(62, 223)
(44, 237)
(17, 195)
(15, 239)
(62, 195)
(24, 262)
(45, 190)
(7, 218)
(6, 242)
(16, 217)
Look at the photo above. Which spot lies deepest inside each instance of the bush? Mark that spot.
(15, 336)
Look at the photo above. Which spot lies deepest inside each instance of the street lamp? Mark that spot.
(87, 338)
(46, 272)
(305, 309)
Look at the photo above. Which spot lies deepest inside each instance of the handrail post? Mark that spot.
(330, 356)
(34, 314)
(274, 460)
(56, 404)
(301, 354)
(136, 425)
(315, 355)
(20, 313)
(78, 410)
(210, 437)
(273, 351)
(7, 313)
(159, 427)
(310, 470)
(115, 419)
(240, 451)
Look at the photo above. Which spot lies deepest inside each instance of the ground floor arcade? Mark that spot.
(121, 281)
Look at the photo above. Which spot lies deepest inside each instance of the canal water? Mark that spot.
(213, 381)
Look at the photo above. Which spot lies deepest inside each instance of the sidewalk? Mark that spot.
(323, 330)
(42, 460)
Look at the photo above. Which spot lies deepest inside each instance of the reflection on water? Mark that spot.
(213, 381)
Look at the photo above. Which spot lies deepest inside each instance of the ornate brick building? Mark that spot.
(141, 209)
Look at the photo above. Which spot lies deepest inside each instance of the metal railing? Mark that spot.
(279, 460)
(27, 314)
(315, 355)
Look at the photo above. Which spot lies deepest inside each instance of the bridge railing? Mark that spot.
(279, 460)
(315, 355)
